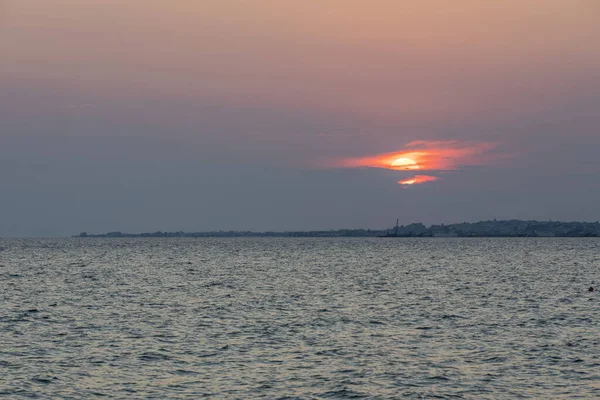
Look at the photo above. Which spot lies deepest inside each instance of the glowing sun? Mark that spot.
(405, 163)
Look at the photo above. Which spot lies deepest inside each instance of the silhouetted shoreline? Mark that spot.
(493, 228)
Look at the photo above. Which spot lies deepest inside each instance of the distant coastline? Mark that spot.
(493, 228)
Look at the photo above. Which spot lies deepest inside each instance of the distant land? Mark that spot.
(493, 228)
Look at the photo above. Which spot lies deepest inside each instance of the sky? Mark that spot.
(146, 115)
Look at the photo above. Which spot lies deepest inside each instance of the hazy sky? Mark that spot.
(144, 115)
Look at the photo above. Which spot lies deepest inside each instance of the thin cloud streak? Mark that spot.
(418, 179)
(426, 156)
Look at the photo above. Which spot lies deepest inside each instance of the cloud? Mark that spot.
(422, 155)
(418, 179)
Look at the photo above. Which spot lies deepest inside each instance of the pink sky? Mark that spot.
(385, 60)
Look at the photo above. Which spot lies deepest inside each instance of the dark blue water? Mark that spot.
(300, 318)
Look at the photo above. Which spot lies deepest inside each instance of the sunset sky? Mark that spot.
(145, 115)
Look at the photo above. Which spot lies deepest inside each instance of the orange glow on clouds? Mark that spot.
(425, 156)
(418, 179)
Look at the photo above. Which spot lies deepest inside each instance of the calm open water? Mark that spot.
(300, 318)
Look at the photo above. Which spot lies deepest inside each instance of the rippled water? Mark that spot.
(300, 318)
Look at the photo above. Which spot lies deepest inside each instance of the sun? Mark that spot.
(405, 163)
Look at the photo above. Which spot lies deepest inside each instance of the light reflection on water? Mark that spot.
(302, 318)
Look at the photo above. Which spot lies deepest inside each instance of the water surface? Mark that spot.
(300, 318)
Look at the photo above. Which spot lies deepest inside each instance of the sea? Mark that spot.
(295, 318)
